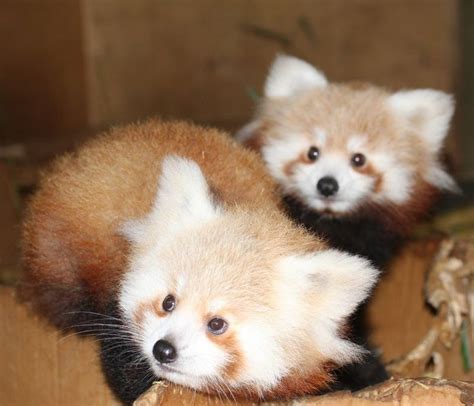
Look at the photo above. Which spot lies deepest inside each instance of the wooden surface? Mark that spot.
(197, 59)
(38, 367)
(9, 215)
(396, 392)
(42, 77)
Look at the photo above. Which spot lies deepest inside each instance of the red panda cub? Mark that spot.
(167, 243)
(358, 165)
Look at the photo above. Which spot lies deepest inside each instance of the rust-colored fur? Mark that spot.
(70, 232)
(84, 252)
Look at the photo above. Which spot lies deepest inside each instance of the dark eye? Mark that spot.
(358, 160)
(169, 303)
(313, 153)
(217, 326)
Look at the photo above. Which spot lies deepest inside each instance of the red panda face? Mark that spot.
(230, 301)
(337, 148)
(330, 178)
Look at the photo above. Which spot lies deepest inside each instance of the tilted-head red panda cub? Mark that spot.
(359, 165)
(167, 242)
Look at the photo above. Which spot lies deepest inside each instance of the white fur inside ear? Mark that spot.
(133, 230)
(338, 281)
(183, 196)
(183, 200)
(289, 75)
(426, 112)
(438, 177)
(247, 131)
(332, 284)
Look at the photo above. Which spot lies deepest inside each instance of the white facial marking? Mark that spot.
(356, 143)
(198, 356)
(353, 186)
(320, 136)
(280, 151)
(263, 353)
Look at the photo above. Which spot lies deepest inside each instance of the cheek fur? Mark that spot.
(296, 383)
(299, 383)
(151, 307)
(229, 344)
(377, 177)
(289, 167)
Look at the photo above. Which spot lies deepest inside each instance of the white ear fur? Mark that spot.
(289, 75)
(183, 200)
(247, 131)
(427, 112)
(338, 281)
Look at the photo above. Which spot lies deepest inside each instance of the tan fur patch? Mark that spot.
(230, 344)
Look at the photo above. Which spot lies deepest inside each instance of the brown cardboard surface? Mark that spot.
(70, 65)
(42, 90)
(39, 367)
(197, 59)
(399, 315)
(8, 220)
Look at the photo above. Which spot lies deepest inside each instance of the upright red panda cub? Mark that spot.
(359, 165)
(166, 241)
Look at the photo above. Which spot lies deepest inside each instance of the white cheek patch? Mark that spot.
(280, 152)
(264, 362)
(397, 183)
(146, 281)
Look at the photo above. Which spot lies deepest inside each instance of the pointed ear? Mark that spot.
(247, 131)
(250, 135)
(183, 200)
(427, 112)
(289, 75)
(337, 281)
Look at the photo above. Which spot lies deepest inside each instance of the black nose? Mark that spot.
(164, 352)
(327, 186)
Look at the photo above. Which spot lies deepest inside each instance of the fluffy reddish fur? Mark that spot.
(70, 238)
(73, 255)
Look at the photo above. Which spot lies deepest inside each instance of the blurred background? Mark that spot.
(71, 68)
